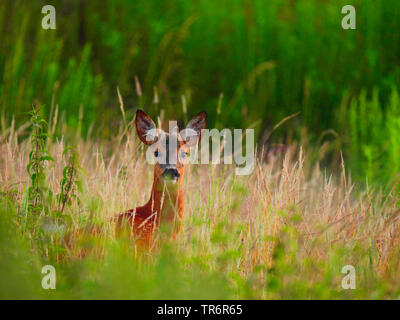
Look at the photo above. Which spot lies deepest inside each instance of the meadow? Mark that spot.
(324, 103)
(284, 232)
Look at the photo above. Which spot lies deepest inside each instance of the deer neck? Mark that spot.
(166, 199)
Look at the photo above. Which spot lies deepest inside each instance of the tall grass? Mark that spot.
(270, 59)
(373, 137)
(285, 231)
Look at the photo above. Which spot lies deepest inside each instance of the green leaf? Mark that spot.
(48, 158)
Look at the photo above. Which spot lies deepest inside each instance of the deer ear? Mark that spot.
(145, 128)
(194, 127)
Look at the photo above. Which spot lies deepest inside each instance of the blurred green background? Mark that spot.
(269, 59)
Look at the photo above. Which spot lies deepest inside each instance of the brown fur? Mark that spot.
(166, 205)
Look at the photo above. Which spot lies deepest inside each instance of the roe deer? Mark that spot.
(165, 207)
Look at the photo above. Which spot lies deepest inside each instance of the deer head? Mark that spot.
(170, 150)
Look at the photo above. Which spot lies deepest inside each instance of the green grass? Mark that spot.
(269, 59)
(373, 137)
(283, 232)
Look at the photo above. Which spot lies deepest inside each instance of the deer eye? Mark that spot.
(184, 154)
(156, 154)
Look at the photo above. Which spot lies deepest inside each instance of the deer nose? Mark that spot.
(171, 173)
